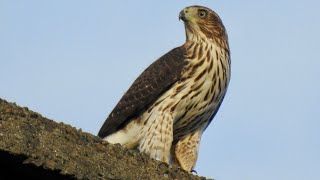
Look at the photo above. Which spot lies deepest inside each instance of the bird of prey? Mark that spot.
(168, 107)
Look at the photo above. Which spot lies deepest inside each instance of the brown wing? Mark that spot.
(213, 115)
(145, 90)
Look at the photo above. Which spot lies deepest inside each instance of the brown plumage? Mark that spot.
(155, 80)
(167, 108)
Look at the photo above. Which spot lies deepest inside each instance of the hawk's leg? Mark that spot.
(186, 150)
(157, 139)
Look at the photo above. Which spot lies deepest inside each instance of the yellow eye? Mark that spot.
(202, 13)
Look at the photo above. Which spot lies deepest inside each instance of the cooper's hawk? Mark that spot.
(168, 107)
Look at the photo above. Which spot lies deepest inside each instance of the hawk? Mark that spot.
(168, 107)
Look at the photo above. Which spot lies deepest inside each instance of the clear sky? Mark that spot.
(72, 61)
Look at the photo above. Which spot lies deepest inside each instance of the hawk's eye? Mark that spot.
(202, 13)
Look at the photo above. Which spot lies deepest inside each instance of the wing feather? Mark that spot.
(145, 90)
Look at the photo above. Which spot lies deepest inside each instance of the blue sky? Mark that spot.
(72, 61)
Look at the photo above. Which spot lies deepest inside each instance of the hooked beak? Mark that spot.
(182, 15)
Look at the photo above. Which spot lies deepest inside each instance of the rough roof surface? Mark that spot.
(32, 146)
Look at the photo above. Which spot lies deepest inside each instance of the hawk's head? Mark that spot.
(202, 23)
